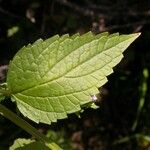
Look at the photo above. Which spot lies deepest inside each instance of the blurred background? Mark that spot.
(123, 120)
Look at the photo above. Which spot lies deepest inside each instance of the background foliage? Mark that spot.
(124, 100)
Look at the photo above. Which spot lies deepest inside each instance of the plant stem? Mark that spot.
(27, 127)
(142, 91)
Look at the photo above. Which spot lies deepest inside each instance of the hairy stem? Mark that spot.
(27, 127)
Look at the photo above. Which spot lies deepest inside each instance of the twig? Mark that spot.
(113, 27)
(82, 10)
(108, 12)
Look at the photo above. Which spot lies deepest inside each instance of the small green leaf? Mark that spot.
(94, 106)
(12, 31)
(52, 78)
(27, 144)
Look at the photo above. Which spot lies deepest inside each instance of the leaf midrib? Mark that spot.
(54, 80)
(72, 68)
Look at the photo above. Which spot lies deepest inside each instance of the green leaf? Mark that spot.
(52, 78)
(12, 31)
(27, 144)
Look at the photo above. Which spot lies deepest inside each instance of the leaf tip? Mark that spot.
(137, 34)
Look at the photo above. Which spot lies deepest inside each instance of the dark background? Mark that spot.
(111, 126)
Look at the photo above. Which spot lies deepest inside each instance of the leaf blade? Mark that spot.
(26, 144)
(59, 75)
